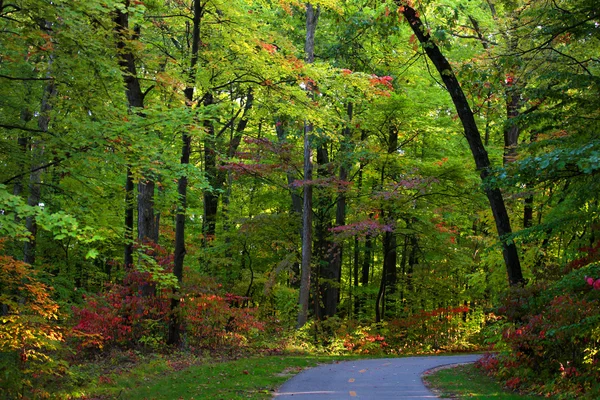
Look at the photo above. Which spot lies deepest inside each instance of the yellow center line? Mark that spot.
(362, 371)
(351, 380)
(352, 393)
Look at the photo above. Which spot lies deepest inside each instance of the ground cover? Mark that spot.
(466, 381)
(188, 377)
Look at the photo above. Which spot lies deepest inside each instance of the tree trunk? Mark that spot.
(497, 205)
(147, 222)
(35, 177)
(296, 202)
(325, 271)
(147, 229)
(211, 195)
(305, 268)
(333, 299)
(511, 130)
(391, 278)
(174, 337)
(312, 16)
(216, 178)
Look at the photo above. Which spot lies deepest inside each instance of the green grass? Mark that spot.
(466, 381)
(248, 378)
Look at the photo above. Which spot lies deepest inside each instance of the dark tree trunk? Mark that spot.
(312, 17)
(365, 271)
(147, 222)
(340, 219)
(35, 177)
(324, 247)
(305, 270)
(296, 202)
(147, 230)
(511, 130)
(174, 337)
(528, 211)
(355, 273)
(217, 178)
(211, 195)
(23, 144)
(509, 249)
(390, 260)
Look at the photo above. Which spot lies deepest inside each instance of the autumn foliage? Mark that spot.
(549, 338)
(29, 332)
(135, 313)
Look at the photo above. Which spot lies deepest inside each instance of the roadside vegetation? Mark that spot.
(468, 382)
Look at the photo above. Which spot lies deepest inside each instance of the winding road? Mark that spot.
(378, 379)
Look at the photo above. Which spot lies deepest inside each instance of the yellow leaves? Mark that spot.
(27, 327)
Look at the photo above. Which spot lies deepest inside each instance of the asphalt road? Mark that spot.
(379, 379)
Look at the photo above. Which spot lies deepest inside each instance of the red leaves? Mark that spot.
(270, 48)
(362, 229)
(382, 84)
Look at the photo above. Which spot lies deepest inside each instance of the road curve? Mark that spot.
(379, 379)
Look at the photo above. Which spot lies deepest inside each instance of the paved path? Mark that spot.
(379, 379)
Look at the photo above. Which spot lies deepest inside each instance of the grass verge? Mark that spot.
(158, 378)
(466, 381)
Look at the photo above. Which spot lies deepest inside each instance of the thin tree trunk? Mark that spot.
(312, 17)
(305, 267)
(216, 178)
(211, 195)
(35, 177)
(296, 202)
(174, 337)
(333, 299)
(497, 205)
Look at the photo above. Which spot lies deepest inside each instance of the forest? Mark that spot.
(333, 176)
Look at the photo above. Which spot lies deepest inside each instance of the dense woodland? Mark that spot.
(360, 176)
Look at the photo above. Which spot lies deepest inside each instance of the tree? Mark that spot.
(509, 249)
(312, 17)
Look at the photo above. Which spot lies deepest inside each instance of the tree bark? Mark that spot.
(216, 178)
(471, 131)
(210, 195)
(296, 203)
(325, 271)
(35, 176)
(312, 17)
(305, 267)
(147, 222)
(174, 337)
(340, 220)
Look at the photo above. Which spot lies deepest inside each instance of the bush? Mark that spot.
(213, 321)
(552, 335)
(124, 315)
(29, 335)
(445, 328)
